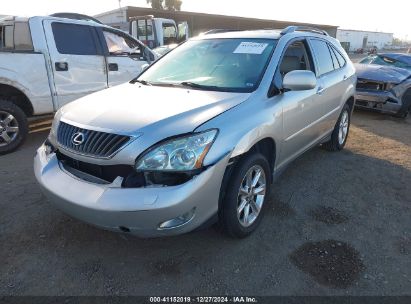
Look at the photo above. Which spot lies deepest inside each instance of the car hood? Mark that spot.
(381, 73)
(130, 109)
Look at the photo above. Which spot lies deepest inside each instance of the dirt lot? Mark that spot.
(337, 224)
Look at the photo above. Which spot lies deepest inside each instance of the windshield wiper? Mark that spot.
(144, 82)
(199, 86)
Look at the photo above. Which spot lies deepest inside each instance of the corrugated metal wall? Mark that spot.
(199, 22)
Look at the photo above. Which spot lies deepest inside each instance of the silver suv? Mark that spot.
(201, 134)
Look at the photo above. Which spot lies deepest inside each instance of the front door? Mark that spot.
(125, 57)
(300, 108)
(77, 60)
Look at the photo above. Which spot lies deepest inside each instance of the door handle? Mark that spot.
(345, 77)
(320, 90)
(61, 66)
(113, 67)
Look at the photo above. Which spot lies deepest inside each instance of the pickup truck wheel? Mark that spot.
(246, 193)
(13, 126)
(340, 133)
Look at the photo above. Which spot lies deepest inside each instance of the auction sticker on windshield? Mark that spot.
(250, 48)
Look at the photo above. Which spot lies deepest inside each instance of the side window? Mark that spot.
(16, 37)
(170, 33)
(1, 37)
(334, 57)
(296, 57)
(322, 53)
(74, 39)
(22, 37)
(340, 57)
(120, 45)
(7, 37)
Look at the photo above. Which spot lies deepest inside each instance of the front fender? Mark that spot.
(242, 127)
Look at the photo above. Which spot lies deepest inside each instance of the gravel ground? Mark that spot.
(337, 224)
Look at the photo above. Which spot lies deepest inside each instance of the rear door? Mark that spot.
(331, 79)
(125, 56)
(77, 60)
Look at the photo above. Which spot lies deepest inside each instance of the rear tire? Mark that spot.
(13, 126)
(340, 133)
(246, 194)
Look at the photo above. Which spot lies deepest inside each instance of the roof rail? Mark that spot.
(75, 16)
(219, 31)
(293, 28)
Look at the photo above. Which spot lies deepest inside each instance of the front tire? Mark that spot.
(340, 133)
(246, 194)
(13, 126)
(406, 108)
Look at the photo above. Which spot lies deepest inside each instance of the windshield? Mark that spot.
(234, 65)
(384, 60)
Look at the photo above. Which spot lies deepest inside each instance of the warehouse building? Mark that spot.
(200, 22)
(353, 40)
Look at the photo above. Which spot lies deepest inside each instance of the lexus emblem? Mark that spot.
(78, 138)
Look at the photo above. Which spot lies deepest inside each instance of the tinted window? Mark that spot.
(335, 60)
(22, 36)
(322, 53)
(74, 39)
(8, 42)
(340, 57)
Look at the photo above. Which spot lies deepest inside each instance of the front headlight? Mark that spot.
(179, 154)
(389, 86)
(54, 127)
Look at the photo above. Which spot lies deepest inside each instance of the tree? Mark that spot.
(171, 5)
(156, 4)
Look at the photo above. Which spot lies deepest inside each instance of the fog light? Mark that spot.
(48, 147)
(178, 221)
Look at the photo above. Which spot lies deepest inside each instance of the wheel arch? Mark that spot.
(351, 102)
(18, 97)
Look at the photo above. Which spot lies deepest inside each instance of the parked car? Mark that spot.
(384, 84)
(398, 60)
(201, 134)
(46, 62)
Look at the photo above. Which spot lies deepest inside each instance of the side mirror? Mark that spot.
(299, 80)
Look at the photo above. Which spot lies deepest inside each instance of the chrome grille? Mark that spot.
(94, 143)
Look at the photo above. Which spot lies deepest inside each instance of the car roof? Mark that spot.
(69, 20)
(406, 58)
(261, 34)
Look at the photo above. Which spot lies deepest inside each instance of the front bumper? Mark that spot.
(140, 210)
(382, 101)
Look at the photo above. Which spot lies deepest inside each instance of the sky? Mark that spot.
(373, 15)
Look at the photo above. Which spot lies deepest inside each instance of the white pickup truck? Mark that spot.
(46, 62)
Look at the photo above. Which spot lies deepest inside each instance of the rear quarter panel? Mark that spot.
(27, 72)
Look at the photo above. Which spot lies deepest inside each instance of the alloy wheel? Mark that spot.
(343, 128)
(251, 195)
(9, 128)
